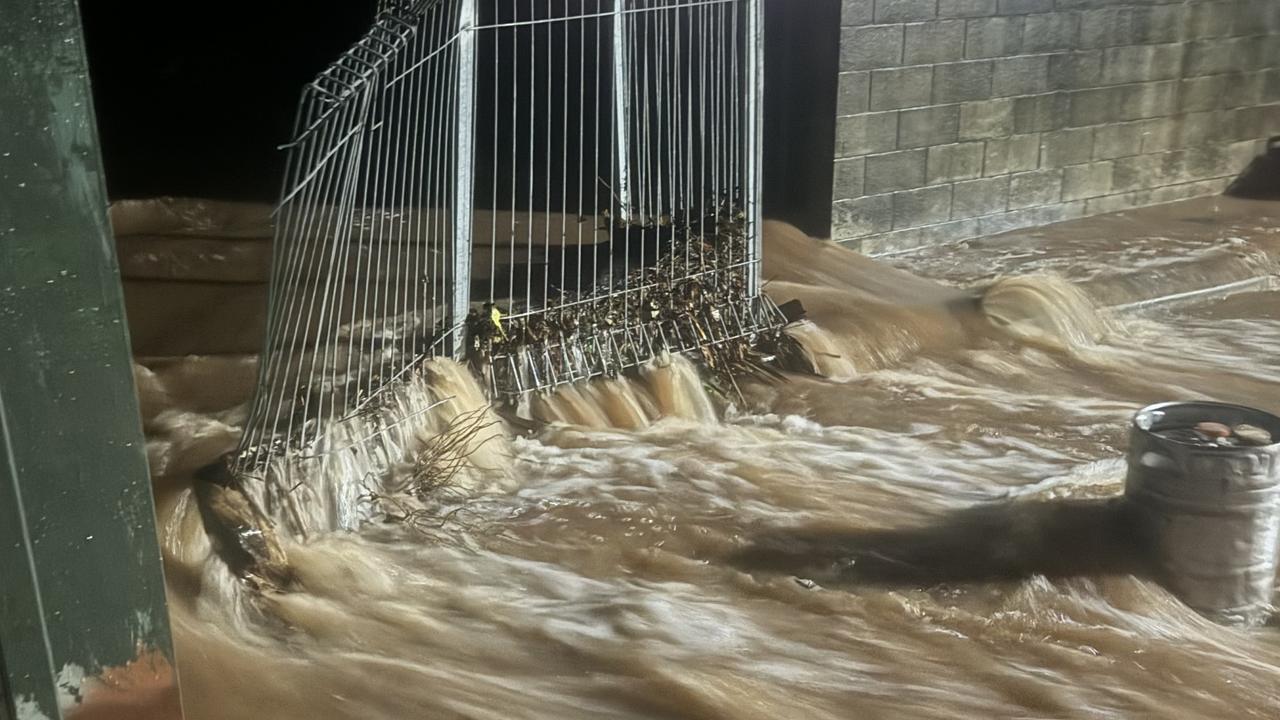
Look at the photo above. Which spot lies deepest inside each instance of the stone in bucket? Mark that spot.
(1204, 490)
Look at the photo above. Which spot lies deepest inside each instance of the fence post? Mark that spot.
(82, 588)
(754, 138)
(622, 110)
(464, 193)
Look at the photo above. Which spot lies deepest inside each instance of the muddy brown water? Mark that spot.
(927, 533)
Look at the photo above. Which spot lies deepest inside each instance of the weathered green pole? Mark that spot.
(81, 589)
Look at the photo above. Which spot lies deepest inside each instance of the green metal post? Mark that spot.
(81, 589)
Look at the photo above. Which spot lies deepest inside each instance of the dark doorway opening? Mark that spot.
(802, 62)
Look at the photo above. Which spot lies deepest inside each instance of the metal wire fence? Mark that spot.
(549, 189)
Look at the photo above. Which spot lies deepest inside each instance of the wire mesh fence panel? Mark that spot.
(620, 174)
(551, 190)
(365, 259)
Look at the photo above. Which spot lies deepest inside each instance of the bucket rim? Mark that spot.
(1210, 404)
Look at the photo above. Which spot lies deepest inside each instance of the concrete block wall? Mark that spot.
(960, 118)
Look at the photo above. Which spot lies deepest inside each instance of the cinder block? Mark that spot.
(1017, 153)
(1182, 166)
(856, 12)
(901, 87)
(861, 217)
(876, 46)
(937, 125)
(1226, 156)
(1133, 173)
(1037, 113)
(1052, 31)
(1256, 17)
(1209, 20)
(1201, 128)
(1030, 217)
(1159, 134)
(1201, 188)
(1245, 89)
(986, 119)
(1253, 122)
(1117, 140)
(1066, 147)
(1108, 204)
(1080, 182)
(1159, 23)
(926, 206)
(959, 82)
(1203, 93)
(1141, 63)
(847, 183)
(1039, 187)
(996, 224)
(934, 42)
(895, 171)
(980, 197)
(966, 8)
(1268, 52)
(949, 163)
(927, 236)
(1021, 7)
(1095, 107)
(1075, 71)
(900, 11)
(1026, 75)
(911, 238)
(1148, 100)
(1211, 57)
(854, 95)
(1130, 26)
(1271, 93)
(864, 134)
(993, 37)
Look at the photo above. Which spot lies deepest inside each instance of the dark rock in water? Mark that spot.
(1261, 179)
(792, 310)
(1252, 435)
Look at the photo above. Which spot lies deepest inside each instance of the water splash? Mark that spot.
(668, 387)
(1047, 311)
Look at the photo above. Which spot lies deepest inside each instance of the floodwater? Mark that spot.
(928, 532)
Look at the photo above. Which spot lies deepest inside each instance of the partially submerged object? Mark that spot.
(1261, 179)
(1208, 508)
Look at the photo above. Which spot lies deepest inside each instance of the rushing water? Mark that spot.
(926, 533)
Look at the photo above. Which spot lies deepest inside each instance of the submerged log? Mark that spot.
(242, 535)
